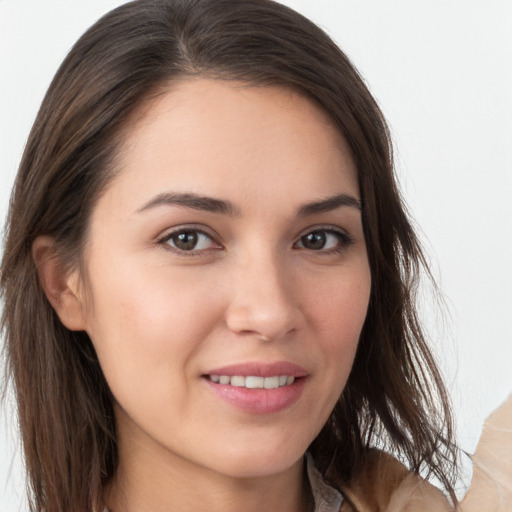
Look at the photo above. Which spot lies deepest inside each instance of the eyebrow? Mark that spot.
(194, 201)
(210, 204)
(329, 204)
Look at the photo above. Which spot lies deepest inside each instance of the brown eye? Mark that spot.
(189, 240)
(185, 241)
(325, 240)
(314, 241)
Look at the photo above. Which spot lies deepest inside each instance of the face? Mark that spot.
(227, 277)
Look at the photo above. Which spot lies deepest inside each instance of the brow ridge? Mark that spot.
(210, 204)
(193, 201)
(329, 204)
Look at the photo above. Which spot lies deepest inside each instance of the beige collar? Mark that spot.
(327, 499)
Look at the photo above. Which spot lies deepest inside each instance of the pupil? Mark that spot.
(186, 241)
(315, 240)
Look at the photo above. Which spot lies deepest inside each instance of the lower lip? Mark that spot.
(259, 401)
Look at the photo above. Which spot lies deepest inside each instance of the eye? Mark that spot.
(189, 240)
(327, 240)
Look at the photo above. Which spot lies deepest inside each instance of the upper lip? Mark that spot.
(260, 369)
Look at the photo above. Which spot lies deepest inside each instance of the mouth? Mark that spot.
(253, 381)
(258, 388)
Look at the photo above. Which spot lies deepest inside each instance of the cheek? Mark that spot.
(149, 324)
(131, 296)
(339, 305)
(338, 314)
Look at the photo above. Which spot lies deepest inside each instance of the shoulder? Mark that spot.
(386, 485)
(491, 486)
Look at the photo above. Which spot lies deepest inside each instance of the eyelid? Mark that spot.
(346, 239)
(170, 232)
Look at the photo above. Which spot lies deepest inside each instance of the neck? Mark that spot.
(149, 479)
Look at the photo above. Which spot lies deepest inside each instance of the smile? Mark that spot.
(253, 381)
(258, 387)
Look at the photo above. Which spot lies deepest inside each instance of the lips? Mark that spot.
(260, 369)
(253, 381)
(258, 388)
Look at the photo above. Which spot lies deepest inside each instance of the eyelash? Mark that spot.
(343, 238)
(183, 230)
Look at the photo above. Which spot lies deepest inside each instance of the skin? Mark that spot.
(254, 289)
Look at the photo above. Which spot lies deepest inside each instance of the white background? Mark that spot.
(442, 73)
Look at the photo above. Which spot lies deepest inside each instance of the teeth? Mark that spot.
(271, 382)
(238, 381)
(253, 382)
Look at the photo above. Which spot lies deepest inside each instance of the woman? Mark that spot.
(209, 272)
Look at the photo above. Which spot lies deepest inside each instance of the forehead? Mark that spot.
(213, 137)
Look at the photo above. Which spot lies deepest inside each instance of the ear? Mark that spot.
(60, 286)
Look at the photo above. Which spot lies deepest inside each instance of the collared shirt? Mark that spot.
(327, 499)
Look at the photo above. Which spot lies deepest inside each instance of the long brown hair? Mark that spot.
(394, 397)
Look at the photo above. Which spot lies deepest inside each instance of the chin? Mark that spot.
(257, 461)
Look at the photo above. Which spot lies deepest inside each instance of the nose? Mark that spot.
(263, 303)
